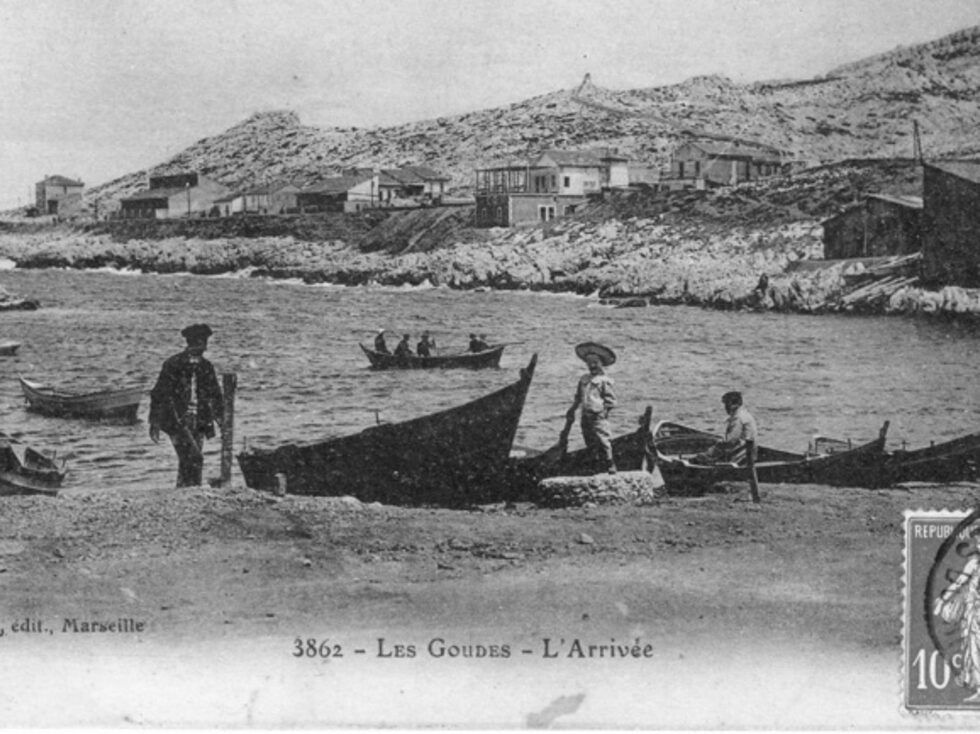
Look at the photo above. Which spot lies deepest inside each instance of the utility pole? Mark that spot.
(916, 142)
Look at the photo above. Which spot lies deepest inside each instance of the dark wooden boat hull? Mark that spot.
(26, 471)
(952, 461)
(463, 360)
(861, 466)
(119, 406)
(631, 452)
(8, 349)
(453, 458)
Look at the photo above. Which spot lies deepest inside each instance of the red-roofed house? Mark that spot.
(58, 195)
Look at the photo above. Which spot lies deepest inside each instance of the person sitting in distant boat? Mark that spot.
(478, 343)
(425, 345)
(740, 432)
(404, 349)
(379, 343)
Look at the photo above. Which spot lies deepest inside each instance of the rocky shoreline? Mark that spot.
(628, 262)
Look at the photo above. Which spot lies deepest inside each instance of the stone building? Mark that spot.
(58, 195)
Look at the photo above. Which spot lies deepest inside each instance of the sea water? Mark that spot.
(301, 375)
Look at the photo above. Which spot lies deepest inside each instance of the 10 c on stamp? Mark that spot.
(941, 620)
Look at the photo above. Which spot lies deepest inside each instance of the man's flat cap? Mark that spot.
(196, 332)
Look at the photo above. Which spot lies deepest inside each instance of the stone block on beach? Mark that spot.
(628, 487)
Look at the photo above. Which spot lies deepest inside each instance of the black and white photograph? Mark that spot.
(490, 364)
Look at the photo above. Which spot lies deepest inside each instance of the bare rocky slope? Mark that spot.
(863, 109)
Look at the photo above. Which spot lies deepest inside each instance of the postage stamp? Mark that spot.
(941, 621)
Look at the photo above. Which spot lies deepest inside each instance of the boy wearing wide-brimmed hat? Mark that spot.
(596, 396)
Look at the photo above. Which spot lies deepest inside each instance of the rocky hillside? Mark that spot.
(863, 109)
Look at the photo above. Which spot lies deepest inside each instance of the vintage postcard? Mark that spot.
(489, 364)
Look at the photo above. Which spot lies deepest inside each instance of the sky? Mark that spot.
(95, 89)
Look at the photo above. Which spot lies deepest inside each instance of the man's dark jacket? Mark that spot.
(170, 396)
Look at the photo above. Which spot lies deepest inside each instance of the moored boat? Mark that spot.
(469, 360)
(24, 470)
(115, 405)
(8, 348)
(951, 461)
(677, 446)
(455, 457)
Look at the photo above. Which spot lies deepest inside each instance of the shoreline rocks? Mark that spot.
(632, 262)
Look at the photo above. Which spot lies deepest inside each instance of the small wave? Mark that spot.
(7, 264)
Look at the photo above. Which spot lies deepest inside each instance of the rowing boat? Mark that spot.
(115, 405)
(677, 446)
(951, 461)
(470, 360)
(8, 348)
(452, 458)
(24, 470)
(631, 452)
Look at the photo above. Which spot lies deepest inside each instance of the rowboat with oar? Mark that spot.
(24, 470)
(631, 452)
(468, 360)
(678, 447)
(116, 405)
(8, 348)
(453, 458)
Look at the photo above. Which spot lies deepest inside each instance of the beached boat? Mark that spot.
(8, 348)
(24, 470)
(631, 452)
(115, 405)
(677, 446)
(470, 360)
(951, 461)
(453, 458)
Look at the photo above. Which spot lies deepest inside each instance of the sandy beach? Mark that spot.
(786, 614)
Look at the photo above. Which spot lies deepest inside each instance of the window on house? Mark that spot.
(500, 215)
(546, 213)
(554, 182)
(568, 181)
(680, 171)
(697, 168)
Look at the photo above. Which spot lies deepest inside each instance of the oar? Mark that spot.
(753, 478)
(556, 454)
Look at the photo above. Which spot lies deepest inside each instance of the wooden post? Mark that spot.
(229, 381)
(753, 479)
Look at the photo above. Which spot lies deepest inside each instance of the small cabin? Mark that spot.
(951, 223)
(878, 226)
(58, 195)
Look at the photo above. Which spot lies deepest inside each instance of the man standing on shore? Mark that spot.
(185, 403)
(595, 394)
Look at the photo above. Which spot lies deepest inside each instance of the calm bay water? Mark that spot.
(302, 376)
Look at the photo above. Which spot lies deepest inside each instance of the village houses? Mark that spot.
(699, 164)
(58, 195)
(172, 196)
(555, 184)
